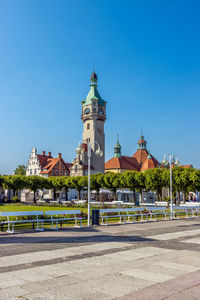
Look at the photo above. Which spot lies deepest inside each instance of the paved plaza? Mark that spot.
(158, 260)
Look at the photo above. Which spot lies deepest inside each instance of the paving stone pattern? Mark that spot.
(158, 260)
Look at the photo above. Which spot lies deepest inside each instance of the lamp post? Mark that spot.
(165, 163)
(98, 153)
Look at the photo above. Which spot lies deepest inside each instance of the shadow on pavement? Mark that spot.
(96, 238)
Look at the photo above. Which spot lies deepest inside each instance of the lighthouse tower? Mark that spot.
(93, 117)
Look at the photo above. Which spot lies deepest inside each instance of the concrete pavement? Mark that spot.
(157, 260)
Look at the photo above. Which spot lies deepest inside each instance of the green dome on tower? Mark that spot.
(93, 93)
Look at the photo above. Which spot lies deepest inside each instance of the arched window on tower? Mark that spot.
(88, 126)
(101, 112)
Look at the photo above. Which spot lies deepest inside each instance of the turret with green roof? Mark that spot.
(142, 143)
(117, 149)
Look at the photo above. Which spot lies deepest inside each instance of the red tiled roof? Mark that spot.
(49, 166)
(69, 165)
(186, 166)
(148, 164)
(141, 155)
(51, 162)
(43, 159)
(125, 163)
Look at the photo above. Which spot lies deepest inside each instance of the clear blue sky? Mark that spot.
(147, 58)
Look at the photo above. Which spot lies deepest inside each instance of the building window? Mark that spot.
(30, 171)
(99, 131)
(76, 168)
(88, 126)
(35, 171)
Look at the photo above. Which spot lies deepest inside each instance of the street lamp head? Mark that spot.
(165, 162)
(99, 153)
(173, 160)
(177, 163)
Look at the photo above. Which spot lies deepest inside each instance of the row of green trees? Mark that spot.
(184, 180)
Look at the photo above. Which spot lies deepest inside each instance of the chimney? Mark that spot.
(59, 155)
(49, 154)
(43, 152)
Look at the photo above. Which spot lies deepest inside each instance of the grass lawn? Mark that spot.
(21, 207)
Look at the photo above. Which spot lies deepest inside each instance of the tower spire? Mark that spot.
(141, 137)
(117, 148)
(93, 78)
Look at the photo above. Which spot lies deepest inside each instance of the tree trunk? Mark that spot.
(54, 194)
(134, 198)
(97, 195)
(179, 198)
(140, 200)
(114, 195)
(161, 194)
(157, 196)
(34, 197)
(184, 196)
(66, 194)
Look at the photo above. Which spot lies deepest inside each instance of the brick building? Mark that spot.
(46, 165)
(141, 160)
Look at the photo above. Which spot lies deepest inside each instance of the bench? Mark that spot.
(156, 211)
(178, 210)
(53, 213)
(134, 212)
(16, 214)
(41, 202)
(54, 202)
(118, 212)
(122, 213)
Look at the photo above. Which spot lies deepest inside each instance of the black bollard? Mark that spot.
(95, 217)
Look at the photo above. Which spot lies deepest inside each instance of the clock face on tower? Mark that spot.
(86, 111)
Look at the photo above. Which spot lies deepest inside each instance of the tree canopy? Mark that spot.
(184, 180)
(20, 170)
